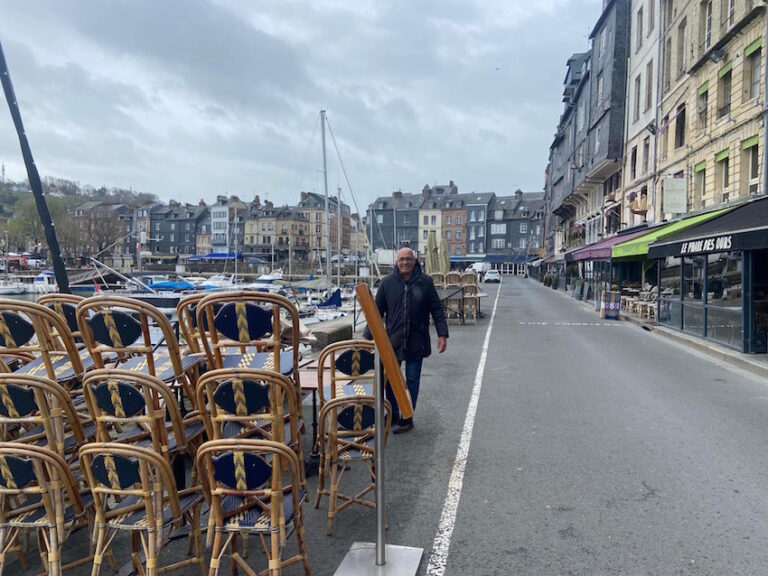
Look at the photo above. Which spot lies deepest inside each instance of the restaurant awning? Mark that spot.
(638, 247)
(742, 228)
(601, 250)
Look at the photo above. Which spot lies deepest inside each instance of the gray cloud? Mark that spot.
(187, 99)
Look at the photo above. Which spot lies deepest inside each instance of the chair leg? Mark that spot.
(320, 480)
(233, 553)
(98, 553)
(333, 492)
(216, 552)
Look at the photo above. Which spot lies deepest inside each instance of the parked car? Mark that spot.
(492, 276)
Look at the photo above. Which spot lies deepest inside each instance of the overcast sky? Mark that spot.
(187, 99)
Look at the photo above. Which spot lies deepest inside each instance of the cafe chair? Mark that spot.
(186, 312)
(437, 279)
(139, 409)
(65, 305)
(254, 487)
(119, 329)
(347, 434)
(468, 279)
(42, 341)
(38, 492)
(36, 410)
(345, 368)
(133, 490)
(471, 302)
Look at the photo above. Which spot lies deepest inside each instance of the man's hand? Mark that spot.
(442, 342)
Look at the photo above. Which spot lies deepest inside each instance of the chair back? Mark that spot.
(115, 472)
(246, 402)
(438, 279)
(31, 475)
(30, 331)
(469, 279)
(349, 362)
(453, 278)
(241, 321)
(27, 402)
(252, 469)
(65, 305)
(118, 397)
(348, 423)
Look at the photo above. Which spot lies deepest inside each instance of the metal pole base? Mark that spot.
(361, 561)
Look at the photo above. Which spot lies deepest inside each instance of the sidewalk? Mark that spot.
(755, 363)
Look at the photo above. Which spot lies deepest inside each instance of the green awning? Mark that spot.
(749, 142)
(701, 166)
(754, 47)
(720, 156)
(725, 69)
(639, 246)
(703, 88)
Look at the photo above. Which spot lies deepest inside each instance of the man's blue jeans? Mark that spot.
(412, 380)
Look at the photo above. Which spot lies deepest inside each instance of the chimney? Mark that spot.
(201, 203)
(425, 192)
(304, 196)
(397, 194)
(518, 193)
(268, 205)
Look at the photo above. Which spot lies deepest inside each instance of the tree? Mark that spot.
(25, 227)
(104, 229)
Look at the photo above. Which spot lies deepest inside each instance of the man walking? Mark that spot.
(406, 298)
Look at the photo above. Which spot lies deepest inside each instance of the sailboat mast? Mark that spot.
(338, 238)
(327, 213)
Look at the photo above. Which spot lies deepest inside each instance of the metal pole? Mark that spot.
(338, 237)
(381, 544)
(327, 214)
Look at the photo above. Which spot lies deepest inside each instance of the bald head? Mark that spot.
(406, 260)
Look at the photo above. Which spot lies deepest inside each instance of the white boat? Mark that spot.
(44, 283)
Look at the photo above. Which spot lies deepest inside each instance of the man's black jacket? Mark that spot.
(405, 307)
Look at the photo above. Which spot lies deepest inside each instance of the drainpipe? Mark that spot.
(765, 101)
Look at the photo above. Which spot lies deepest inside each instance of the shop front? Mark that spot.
(714, 278)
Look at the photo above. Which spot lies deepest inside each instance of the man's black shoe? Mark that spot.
(405, 426)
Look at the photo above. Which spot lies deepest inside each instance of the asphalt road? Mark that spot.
(598, 448)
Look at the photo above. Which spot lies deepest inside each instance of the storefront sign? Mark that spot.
(675, 200)
(713, 244)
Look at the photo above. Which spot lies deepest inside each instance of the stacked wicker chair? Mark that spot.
(347, 414)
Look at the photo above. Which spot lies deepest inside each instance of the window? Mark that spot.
(637, 99)
(498, 214)
(498, 243)
(753, 69)
(379, 219)
(682, 42)
(172, 238)
(701, 106)
(727, 13)
(448, 219)
(458, 219)
(472, 247)
(472, 216)
(458, 234)
(603, 38)
(680, 127)
(472, 233)
(498, 228)
(600, 89)
(646, 153)
(157, 226)
(633, 163)
(597, 140)
(750, 160)
(480, 215)
(481, 231)
(458, 250)
(706, 25)
(523, 227)
(724, 92)
(426, 220)
(521, 243)
(722, 178)
(433, 220)
(580, 117)
(670, 14)
(668, 64)
(448, 234)
(648, 86)
(700, 188)
(651, 15)
(425, 234)
(639, 41)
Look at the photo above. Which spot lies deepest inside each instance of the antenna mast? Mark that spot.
(327, 214)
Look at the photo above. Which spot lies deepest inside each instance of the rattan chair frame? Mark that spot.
(58, 301)
(54, 338)
(156, 493)
(283, 460)
(105, 303)
(188, 322)
(335, 441)
(57, 490)
(329, 355)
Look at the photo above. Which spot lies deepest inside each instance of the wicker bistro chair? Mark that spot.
(65, 305)
(120, 326)
(136, 408)
(186, 311)
(38, 492)
(248, 493)
(471, 302)
(36, 410)
(345, 368)
(347, 434)
(244, 330)
(454, 305)
(453, 277)
(438, 279)
(42, 337)
(133, 490)
(469, 279)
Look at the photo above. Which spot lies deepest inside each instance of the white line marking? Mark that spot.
(442, 543)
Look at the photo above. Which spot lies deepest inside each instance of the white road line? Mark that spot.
(439, 556)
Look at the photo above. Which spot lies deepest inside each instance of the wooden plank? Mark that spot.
(386, 352)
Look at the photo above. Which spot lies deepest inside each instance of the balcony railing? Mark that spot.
(724, 111)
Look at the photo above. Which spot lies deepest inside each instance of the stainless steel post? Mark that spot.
(381, 557)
